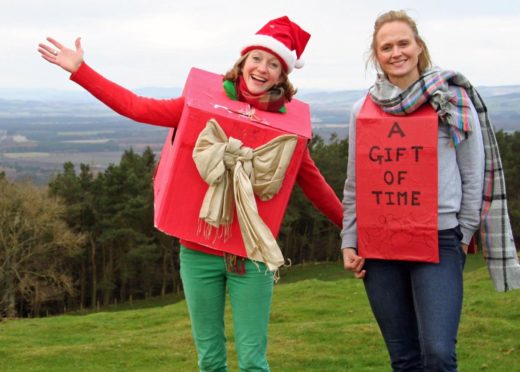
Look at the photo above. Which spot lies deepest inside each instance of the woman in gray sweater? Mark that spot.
(415, 298)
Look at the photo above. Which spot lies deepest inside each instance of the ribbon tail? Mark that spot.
(217, 207)
(258, 239)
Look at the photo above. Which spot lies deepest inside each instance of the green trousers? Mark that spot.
(205, 280)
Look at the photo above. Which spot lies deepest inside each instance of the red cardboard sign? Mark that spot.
(178, 188)
(396, 184)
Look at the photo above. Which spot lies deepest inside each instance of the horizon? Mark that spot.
(54, 94)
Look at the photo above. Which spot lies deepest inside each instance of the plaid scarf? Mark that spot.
(448, 92)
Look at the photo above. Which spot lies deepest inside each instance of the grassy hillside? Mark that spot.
(320, 321)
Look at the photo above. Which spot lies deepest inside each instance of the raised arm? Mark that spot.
(164, 112)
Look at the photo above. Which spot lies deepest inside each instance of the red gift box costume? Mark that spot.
(168, 112)
(230, 149)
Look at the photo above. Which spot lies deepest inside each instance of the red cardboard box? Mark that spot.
(396, 184)
(178, 188)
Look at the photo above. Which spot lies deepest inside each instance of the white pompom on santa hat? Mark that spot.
(283, 38)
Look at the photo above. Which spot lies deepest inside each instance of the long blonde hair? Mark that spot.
(399, 16)
(236, 72)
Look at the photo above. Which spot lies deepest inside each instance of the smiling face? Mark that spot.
(397, 53)
(262, 70)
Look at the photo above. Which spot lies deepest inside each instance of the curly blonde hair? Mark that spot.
(399, 16)
(236, 72)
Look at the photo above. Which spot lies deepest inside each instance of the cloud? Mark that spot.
(155, 43)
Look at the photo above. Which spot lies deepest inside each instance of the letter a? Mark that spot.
(396, 129)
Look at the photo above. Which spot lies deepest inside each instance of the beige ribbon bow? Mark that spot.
(234, 174)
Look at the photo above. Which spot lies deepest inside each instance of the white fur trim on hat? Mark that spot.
(288, 56)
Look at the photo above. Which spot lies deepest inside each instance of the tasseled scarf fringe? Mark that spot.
(222, 232)
(235, 263)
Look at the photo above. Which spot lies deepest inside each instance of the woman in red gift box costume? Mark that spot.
(417, 122)
(260, 78)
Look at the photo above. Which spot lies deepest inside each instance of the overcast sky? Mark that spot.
(154, 43)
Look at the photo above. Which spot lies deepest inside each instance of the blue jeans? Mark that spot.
(418, 305)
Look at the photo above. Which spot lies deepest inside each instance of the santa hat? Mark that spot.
(283, 38)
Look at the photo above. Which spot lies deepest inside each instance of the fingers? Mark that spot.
(353, 262)
(46, 50)
(77, 43)
(360, 274)
(51, 60)
(68, 59)
(47, 53)
(54, 42)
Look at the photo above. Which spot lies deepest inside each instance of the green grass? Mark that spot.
(320, 321)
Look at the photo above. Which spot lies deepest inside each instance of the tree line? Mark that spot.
(88, 240)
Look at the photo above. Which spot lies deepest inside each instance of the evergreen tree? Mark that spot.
(124, 257)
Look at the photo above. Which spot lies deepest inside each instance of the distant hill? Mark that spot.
(327, 108)
(50, 95)
(331, 110)
(40, 130)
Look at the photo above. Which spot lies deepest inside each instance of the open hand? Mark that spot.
(58, 54)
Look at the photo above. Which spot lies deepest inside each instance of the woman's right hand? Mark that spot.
(354, 263)
(68, 59)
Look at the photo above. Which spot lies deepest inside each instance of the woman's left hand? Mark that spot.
(464, 248)
(353, 262)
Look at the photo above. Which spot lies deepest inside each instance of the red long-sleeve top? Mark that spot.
(167, 113)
